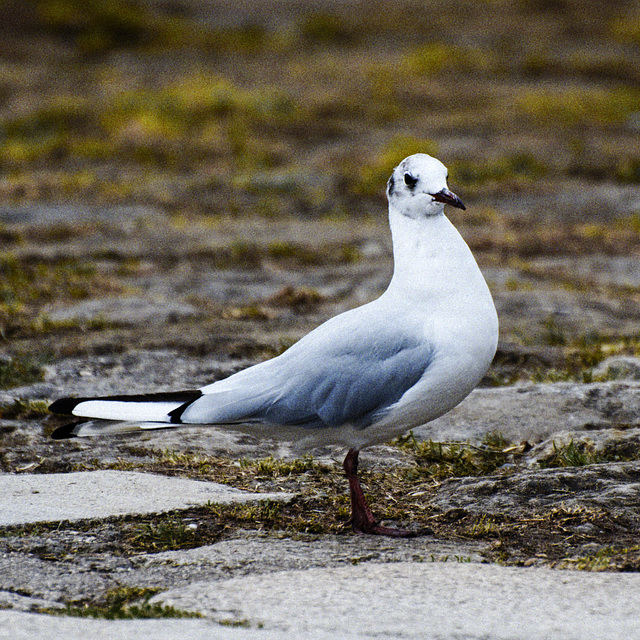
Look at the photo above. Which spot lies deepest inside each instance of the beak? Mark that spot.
(448, 198)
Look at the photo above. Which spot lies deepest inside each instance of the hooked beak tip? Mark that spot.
(447, 197)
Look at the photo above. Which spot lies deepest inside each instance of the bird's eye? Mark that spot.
(410, 181)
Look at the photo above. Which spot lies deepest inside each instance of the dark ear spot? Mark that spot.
(390, 186)
(410, 181)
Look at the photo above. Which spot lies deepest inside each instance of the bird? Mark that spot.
(363, 377)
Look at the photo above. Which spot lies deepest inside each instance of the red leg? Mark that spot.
(362, 519)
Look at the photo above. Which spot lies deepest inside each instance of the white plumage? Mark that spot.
(367, 375)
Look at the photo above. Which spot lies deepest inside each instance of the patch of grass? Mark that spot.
(437, 57)
(298, 298)
(29, 280)
(207, 114)
(96, 27)
(272, 468)
(324, 28)
(439, 460)
(576, 360)
(573, 454)
(243, 473)
(626, 28)
(290, 251)
(579, 107)
(599, 561)
(247, 312)
(123, 603)
(483, 527)
(553, 335)
(43, 324)
(513, 167)
(608, 558)
(627, 170)
(24, 410)
(584, 353)
(19, 371)
(552, 375)
(161, 535)
(252, 255)
(198, 101)
(308, 514)
(266, 514)
(28, 283)
(322, 507)
(242, 624)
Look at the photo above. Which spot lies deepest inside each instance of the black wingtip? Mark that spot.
(65, 432)
(176, 414)
(64, 406)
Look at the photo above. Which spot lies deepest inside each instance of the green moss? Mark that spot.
(24, 409)
(436, 57)
(626, 28)
(291, 251)
(553, 334)
(30, 281)
(599, 561)
(123, 603)
(272, 468)
(151, 127)
(323, 28)
(627, 170)
(438, 460)
(573, 107)
(242, 624)
(520, 167)
(47, 131)
(43, 324)
(483, 527)
(198, 99)
(16, 372)
(27, 284)
(166, 533)
(95, 27)
(562, 375)
(573, 454)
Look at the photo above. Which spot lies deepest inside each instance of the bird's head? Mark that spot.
(418, 188)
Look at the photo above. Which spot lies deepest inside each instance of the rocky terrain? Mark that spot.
(175, 208)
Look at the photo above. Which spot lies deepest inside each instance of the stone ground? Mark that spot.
(170, 214)
(86, 519)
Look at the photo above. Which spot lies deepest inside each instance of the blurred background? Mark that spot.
(149, 145)
(304, 107)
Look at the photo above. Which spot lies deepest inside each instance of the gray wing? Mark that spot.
(350, 387)
(346, 371)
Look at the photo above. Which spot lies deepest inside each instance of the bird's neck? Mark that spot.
(428, 253)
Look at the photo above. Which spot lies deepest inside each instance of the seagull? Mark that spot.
(365, 376)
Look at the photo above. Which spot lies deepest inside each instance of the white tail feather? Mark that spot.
(111, 427)
(119, 410)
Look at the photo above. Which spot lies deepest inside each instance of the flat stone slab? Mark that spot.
(535, 412)
(419, 600)
(28, 498)
(30, 626)
(440, 601)
(613, 487)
